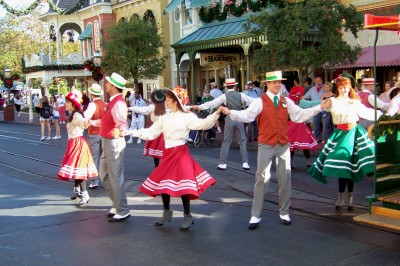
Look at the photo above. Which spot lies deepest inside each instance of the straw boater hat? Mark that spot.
(368, 81)
(230, 82)
(181, 96)
(95, 90)
(273, 76)
(213, 84)
(157, 96)
(117, 80)
(75, 96)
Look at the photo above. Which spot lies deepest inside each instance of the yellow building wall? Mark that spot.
(139, 7)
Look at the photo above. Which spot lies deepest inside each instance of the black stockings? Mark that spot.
(306, 153)
(80, 183)
(185, 201)
(156, 162)
(342, 185)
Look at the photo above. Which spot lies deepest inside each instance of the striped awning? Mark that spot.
(86, 33)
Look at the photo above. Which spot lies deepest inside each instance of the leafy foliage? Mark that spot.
(36, 3)
(388, 128)
(21, 36)
(305, 35)
(133, 50)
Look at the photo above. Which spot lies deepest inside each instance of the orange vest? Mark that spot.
(100, 109)
(272, 122)
(107, 128)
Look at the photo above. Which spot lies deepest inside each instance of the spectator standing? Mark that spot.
(61, 108)
(95, 111)
(307, 84)
(37, 103)
(315, 94)
(18, 103)
(383, 96)
(56, 116)
(136, 100)
(46, 112)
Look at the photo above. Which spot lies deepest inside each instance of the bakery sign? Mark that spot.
(219, 60)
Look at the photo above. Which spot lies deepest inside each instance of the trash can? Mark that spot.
(1, 103)
(8, 113)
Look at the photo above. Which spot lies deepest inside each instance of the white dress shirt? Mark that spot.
(296, 113)
(394, 105)
(222, 100)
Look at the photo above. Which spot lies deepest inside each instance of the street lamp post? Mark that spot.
(97, 58)
(30, 103)
(8, 83)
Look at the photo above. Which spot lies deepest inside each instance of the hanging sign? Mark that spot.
(219, 60)
(96, 31)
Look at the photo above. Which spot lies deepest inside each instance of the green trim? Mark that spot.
(117, 83)
(271, 78)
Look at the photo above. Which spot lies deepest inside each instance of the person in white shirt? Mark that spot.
(61, 109)
(234, 100)
(272, 111)
(178, 174)
(348, 154)
(136, 100)
(94, 111)
(368, 99)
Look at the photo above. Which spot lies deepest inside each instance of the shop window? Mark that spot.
(187, 13)
(177, 15)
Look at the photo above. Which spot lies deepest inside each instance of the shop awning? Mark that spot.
(215, 30)
(86, 33)
(171, 7)
(198, 3)
(386, 55)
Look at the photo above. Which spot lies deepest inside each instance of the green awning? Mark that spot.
(216, 30)
(86, 33)
(198, 3)
(171, 7)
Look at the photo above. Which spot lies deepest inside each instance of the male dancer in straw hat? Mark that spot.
(233, 100)
(272, 111)
(368, 99)
(111, 169)
(94, 111)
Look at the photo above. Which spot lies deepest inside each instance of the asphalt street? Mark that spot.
(40, 225)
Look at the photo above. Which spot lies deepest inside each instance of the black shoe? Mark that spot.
(110, 215)
(338, 208)
(350, 208)
(253, 226)
(249, 140)
(255, 139)
(286, 222)
(116, 220)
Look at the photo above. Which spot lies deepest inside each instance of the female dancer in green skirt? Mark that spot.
(348, 154)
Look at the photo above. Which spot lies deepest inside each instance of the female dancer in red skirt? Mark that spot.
(300, 135)
(153, 148)
(178, 174)
(78, 162)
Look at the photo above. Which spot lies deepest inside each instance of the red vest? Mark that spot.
(100, 109)
(272, 122)
(364, 98)
(107, 128)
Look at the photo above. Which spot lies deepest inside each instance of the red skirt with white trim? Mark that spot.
(178, 174)
(154, 148)
(78, 162)
(301, 137)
